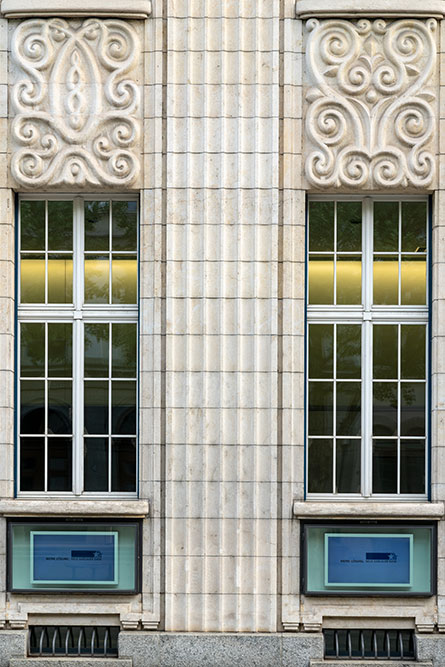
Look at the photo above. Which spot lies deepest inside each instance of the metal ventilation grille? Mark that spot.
(376, 644)
(72, 640)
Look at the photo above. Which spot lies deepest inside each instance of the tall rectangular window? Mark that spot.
(77, 351)
(367, 347)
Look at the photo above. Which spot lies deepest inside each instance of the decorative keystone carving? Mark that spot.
(371, 116)
(77, 103)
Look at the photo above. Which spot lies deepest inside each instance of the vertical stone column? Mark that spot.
(7, 260)
(152, 357)
(292, 292)
(222, 315)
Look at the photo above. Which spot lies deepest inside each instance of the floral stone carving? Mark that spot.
(76, 103)
(371, 114)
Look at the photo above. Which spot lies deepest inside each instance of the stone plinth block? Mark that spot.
(219, 650)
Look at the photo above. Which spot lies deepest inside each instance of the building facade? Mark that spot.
(222, 332)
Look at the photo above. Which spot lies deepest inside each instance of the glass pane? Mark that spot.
(124, 408)
(32, 349)
(60, 225)
(32, 225)
(384, 466)
(386, 226)
(320, 466)
(32, 464)
(320, 408)
(124, 278)
(412, 466)
(97, 276)
(321, 279)
(413, 273)
(60, 464)
(124, 346)
(32, 279)
(95, 464)
(123, 464)
(124, 225)
(321, 340)
(413, 351)
(349, 280)
(348, 454)
(348, 408)
(32, 406)
(349, 344)
(349, 226)
(414, 226)
(384, 351)
(60, 279)
(60, 349)
(96, 350)
(60, 406)
(321, 225)
(386, 280)
(412, 408)
(97, 225)
(385, 408)
(96, 407)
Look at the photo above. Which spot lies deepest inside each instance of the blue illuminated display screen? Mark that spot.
(368, 559)
(73, 557)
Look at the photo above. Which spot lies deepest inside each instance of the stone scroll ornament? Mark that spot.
(76, 103)
(371, 114)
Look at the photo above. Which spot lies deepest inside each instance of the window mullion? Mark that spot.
(78, 347)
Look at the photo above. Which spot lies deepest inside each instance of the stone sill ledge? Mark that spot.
(305, 9)
(381, 510)
(125, 9)
(85, 508)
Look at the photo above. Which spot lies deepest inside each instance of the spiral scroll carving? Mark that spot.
(76, 103)
(371, 105)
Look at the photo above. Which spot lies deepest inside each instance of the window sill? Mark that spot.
(128, 9)
(367, 509)
(88, 508)
(305, 9)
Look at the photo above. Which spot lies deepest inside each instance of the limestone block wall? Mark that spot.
(218, 143)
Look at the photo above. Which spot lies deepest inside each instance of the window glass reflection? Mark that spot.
(384, 466)
(321, 226)
(321, 279)
(320, 408)
(321, 340)
(320, 455)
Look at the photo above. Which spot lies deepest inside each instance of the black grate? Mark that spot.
(376, 644)
(73, 640)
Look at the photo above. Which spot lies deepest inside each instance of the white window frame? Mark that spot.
(366, 315)
(78, 314)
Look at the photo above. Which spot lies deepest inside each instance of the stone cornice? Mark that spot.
(125, 9)
(369, 8)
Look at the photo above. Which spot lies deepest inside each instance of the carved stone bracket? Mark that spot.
(76, 102)
(371, 104)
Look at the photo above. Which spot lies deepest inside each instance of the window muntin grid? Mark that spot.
(333, 463)
(120, 456)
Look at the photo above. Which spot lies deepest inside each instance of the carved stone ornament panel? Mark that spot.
(371, 111)
(76, 103)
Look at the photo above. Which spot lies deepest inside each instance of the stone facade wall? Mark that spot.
(220, 115)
